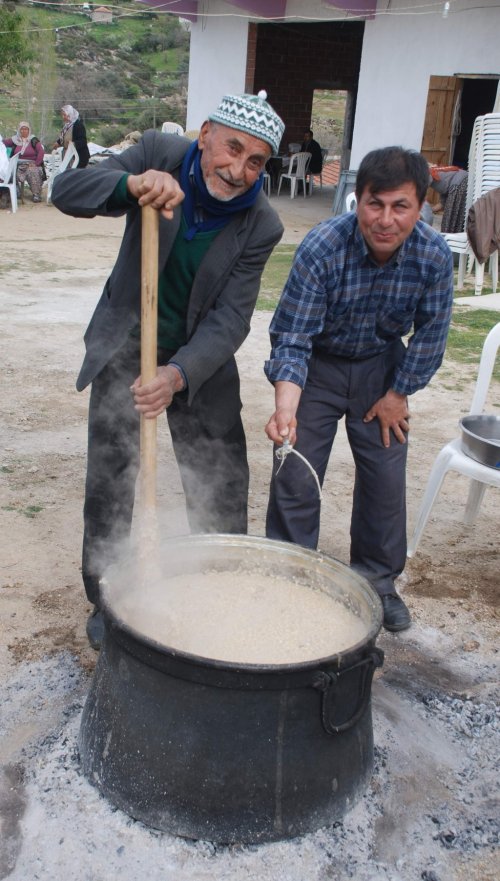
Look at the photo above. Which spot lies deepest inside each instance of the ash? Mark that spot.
(430, 813)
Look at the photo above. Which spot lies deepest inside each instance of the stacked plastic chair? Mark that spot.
(484, 175)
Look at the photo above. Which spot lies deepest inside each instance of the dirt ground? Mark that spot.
(51, 273)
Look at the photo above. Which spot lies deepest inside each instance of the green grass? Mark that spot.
(275, 275)
(467, 334)
(30, 511)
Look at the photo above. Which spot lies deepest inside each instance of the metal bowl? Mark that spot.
(481, 438)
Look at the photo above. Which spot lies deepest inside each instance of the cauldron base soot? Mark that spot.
(227, 751)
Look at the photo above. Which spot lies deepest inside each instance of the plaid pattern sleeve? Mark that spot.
(338, 300)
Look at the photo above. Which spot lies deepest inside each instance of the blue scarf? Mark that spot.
(217, 214)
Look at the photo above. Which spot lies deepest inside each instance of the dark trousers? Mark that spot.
(335, 388)
(214, 471)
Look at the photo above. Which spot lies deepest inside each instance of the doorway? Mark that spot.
(477, 98)
(453, 103)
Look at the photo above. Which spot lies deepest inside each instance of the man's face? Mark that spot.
(386, 219)
(231, 161)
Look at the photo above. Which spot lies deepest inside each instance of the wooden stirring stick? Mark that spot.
(150, 222)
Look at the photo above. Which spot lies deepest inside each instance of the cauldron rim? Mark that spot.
(118, 626)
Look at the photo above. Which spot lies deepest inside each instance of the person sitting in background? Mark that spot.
(73, 131)
(30, 163)
(450, 182)
(309, 145)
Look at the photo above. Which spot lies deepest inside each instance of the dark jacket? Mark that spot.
(316, 161)
(224, 291)
(79, 138)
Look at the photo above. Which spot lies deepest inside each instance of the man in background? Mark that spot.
(309, 145)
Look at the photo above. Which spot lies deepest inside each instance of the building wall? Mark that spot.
(399, 54)
(217, 64)
(395, 71)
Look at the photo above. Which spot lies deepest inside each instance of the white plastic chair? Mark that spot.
(172, 128)
(69, 160)
(452, 457)
(297, 171)
(351, 202)
(484, 175)
(10, 183)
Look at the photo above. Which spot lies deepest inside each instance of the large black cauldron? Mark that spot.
(229, 752)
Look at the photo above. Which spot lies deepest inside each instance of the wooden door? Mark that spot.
(437, 135)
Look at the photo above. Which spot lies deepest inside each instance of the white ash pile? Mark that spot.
(429, 813)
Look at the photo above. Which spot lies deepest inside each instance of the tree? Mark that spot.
(14, 48)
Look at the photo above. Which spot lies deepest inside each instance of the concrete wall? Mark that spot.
(217, 62)
(399, 55)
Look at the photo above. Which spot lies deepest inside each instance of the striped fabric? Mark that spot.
(339, 300)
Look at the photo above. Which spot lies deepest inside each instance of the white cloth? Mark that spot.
(4, 160)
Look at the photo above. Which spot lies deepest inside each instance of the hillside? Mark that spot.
(124, 75)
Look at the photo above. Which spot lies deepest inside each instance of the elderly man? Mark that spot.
(217, 231)
(359, 284)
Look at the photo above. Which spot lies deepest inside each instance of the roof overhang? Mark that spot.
(270, 10)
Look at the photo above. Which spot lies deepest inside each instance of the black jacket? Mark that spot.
(316, 161)
(79, 136)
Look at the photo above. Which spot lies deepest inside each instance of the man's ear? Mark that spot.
(203, 133)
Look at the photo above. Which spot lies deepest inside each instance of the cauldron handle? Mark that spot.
(328, 685)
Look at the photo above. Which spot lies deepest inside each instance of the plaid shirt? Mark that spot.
(338, 300)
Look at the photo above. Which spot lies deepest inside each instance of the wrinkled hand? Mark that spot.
(154, 397)
(393, 414)
(156, 188)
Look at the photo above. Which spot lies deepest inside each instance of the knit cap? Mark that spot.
(253, 115)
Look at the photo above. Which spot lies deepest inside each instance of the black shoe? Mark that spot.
(396, 614)
(95, 628)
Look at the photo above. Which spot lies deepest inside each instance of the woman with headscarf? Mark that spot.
(30, 162)
(73, 131)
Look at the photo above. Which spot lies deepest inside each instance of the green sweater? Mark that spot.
(176, 280)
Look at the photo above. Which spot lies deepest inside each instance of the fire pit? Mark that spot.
(229, 750)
